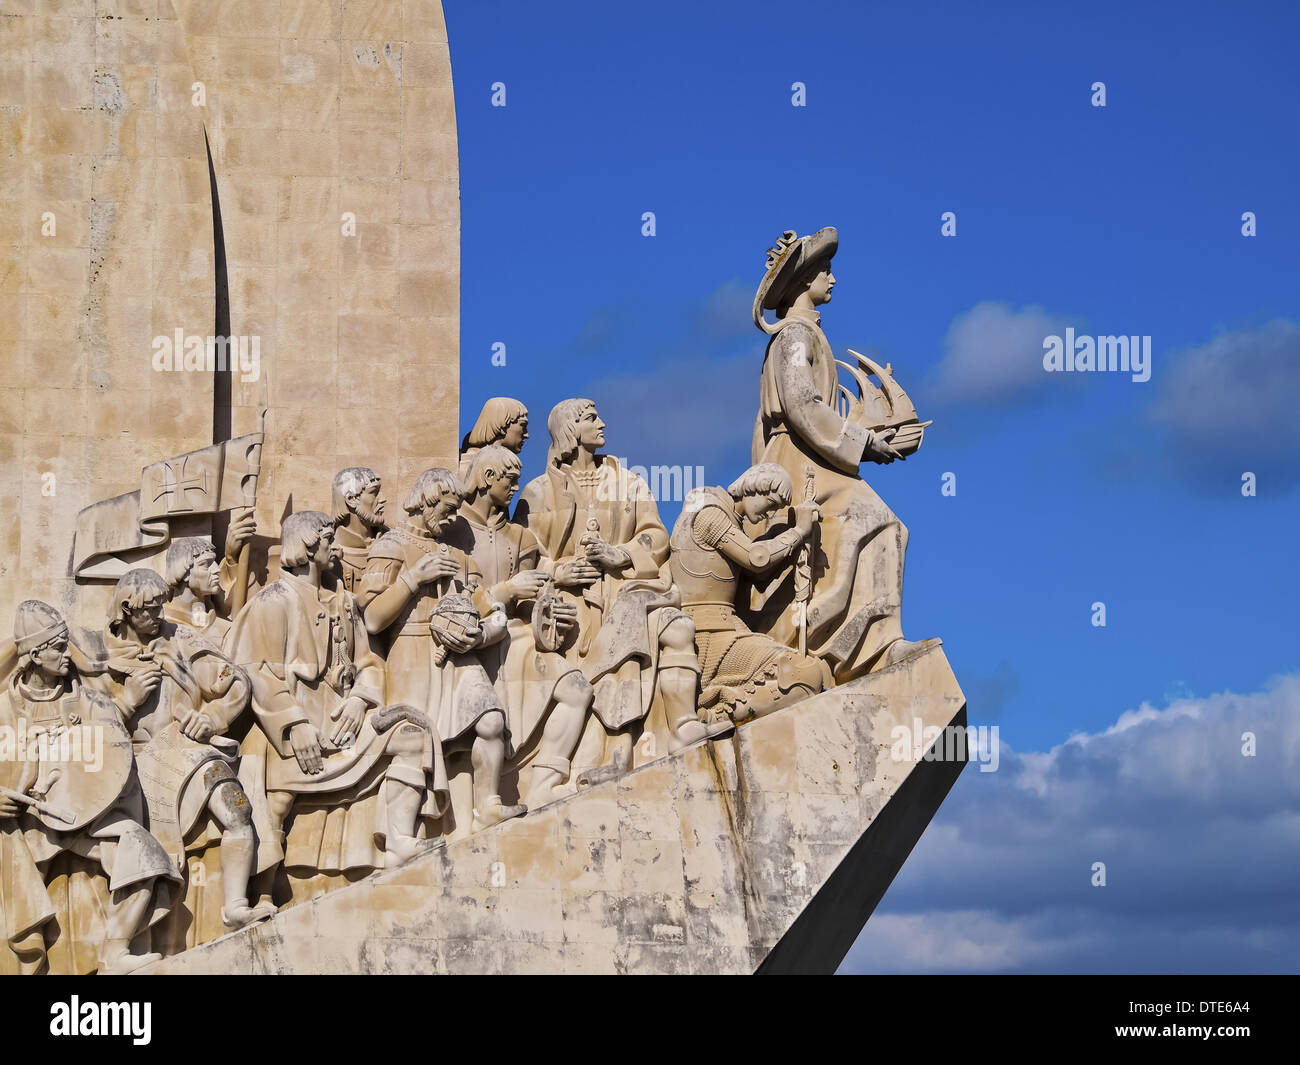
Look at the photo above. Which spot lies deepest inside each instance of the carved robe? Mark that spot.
(858, 580)
(621, 616)
(306, 650)
(524, 676)
(454, 690)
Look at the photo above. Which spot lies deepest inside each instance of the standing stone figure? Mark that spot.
(79, 795)
(358, 776)
(546, 697)
(743, 673)
(502, 421)
(358, 510)
(600, 525)
(853, 617)
(192, 695)
(432, 645)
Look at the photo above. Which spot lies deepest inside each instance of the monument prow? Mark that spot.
(763, 852)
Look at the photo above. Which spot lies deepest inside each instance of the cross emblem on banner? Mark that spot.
(174, 486)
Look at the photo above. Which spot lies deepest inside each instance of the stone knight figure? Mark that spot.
(744, 674)
(65, 801)
(852, 620)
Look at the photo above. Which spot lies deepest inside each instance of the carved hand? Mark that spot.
(139, 686)
(8, 808)
(806, 515)
(305, 741)
(566, 615)
(604, 555)
(877, 448)
(527, 584)
(577, 574)
(349, 714)
(198, 726)
(242, 527)
(459, 644)
(431, 568)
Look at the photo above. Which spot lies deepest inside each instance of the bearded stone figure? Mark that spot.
(433, 648)
(357, 504)
(346, 783)
(599, 524)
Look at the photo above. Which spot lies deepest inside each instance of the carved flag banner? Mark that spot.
(207, 481)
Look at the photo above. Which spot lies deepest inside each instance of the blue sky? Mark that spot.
(1071, 489)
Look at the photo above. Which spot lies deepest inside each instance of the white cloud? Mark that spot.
(994, 354)
(1201, 846)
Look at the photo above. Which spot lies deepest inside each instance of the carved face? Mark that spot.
(590, 429)
(515, 435)
(205, 577)
(819, 289)
(438, 514)
(146, 620)
(324, 553)
(758, 508)
(503, 488)
(369, 503)
(52, 659)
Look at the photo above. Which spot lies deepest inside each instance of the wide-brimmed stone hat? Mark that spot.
(786, 261)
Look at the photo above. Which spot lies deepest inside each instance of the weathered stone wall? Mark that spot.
(312, 109)
(97, 131)
(769, 848)
(317, 109)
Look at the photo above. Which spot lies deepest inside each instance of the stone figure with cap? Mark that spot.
(807, 418)
(71, 787)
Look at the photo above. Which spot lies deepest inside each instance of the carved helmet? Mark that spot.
(786, 262)
(36, 623)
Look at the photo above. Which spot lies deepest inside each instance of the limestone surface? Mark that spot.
(766, 851)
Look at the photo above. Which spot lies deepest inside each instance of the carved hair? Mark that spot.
(182, 553)
(350, 482)
(491, 459)
(135, 588)
(429, 487)
(300, 536)
(498, 414)
(563, 424)
(760, 480)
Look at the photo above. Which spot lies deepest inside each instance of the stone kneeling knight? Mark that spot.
(743, 674)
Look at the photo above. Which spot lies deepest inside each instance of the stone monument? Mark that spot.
(257, 722)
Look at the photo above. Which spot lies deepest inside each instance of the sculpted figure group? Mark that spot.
(319, 731)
